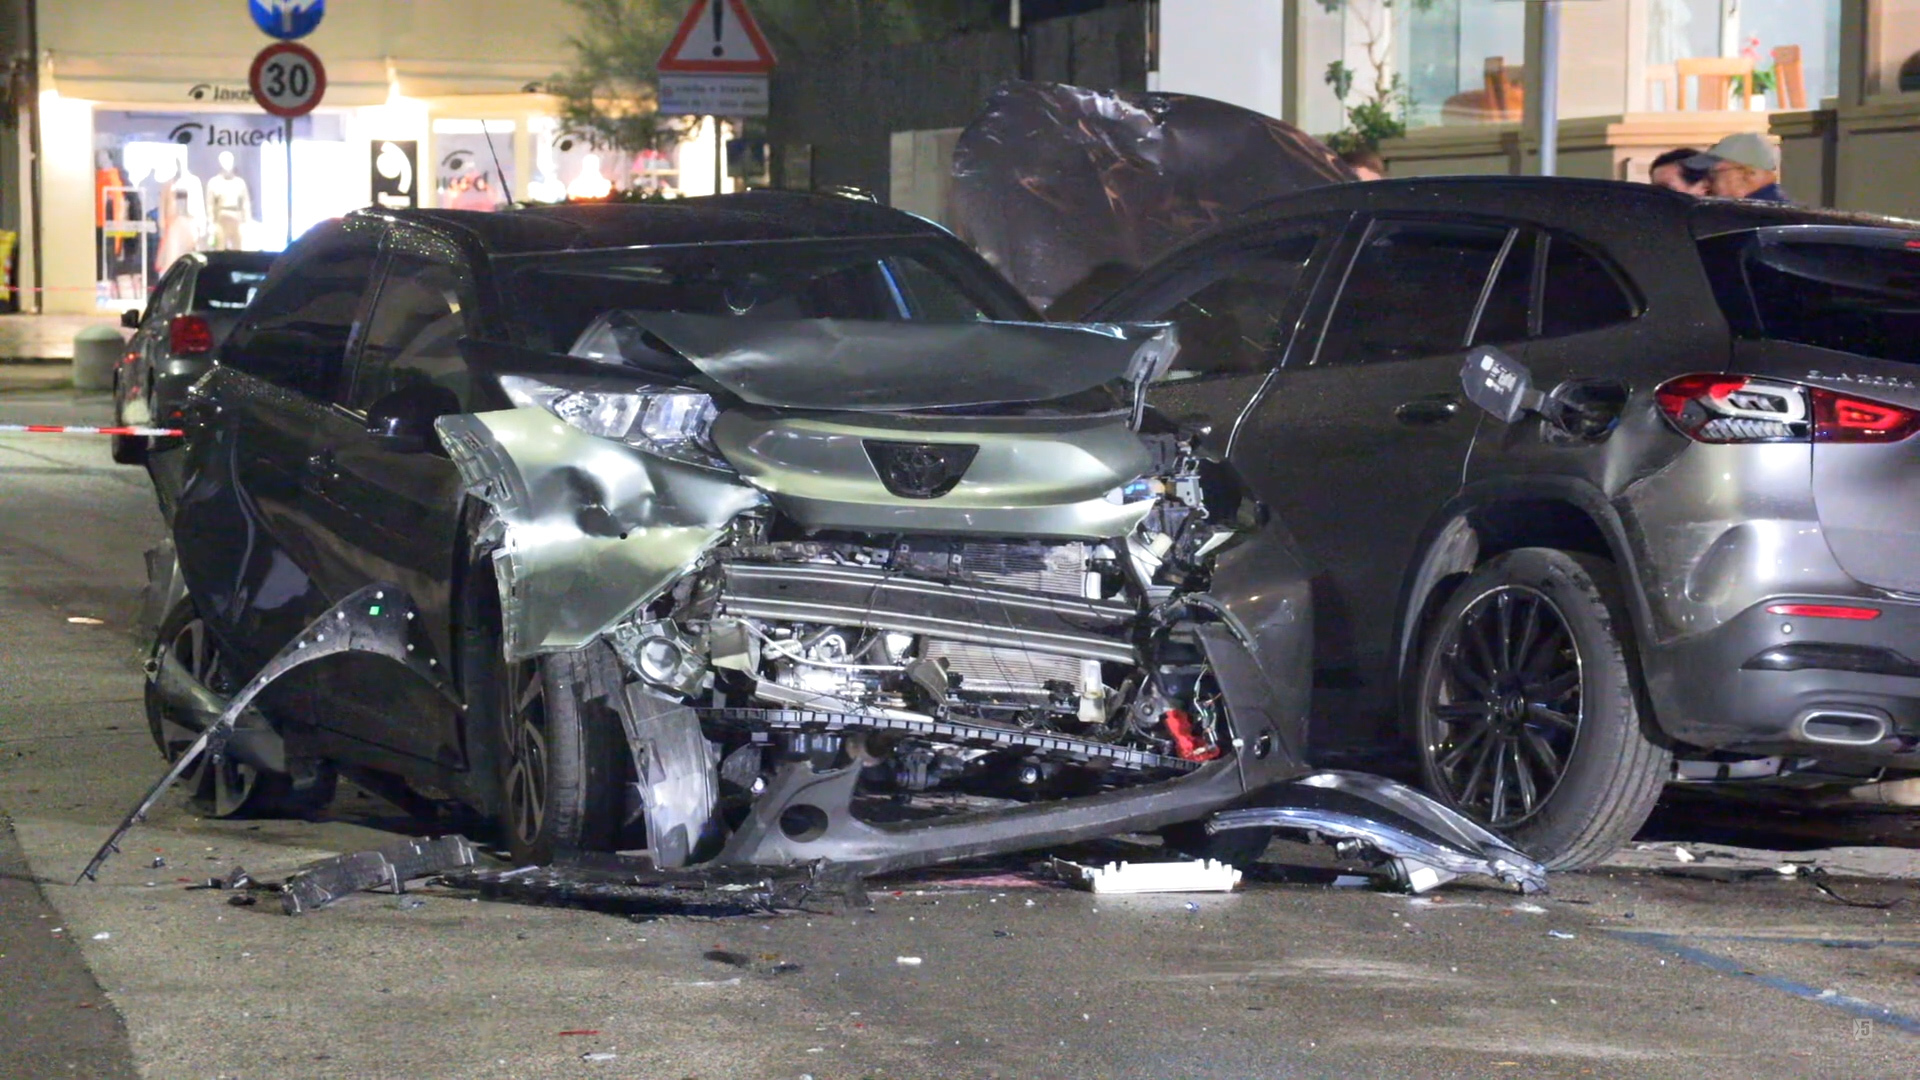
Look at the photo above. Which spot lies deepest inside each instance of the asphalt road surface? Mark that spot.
(1633, 971)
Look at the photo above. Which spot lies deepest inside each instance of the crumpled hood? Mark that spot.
(842, 365)
(1068, 191)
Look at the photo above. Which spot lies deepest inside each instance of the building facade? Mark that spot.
(136, 139)
(1836, 81)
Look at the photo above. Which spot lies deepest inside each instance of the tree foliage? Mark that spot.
(1382, 114)
(609, 92)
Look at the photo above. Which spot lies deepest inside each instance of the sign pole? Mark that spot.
(719, 156)
(288, 133)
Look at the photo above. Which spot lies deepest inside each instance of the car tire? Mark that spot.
(228, 788)
(555, 739)
(1527, 709)
(126, 449)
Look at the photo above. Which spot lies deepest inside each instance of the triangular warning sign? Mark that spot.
(718, 37)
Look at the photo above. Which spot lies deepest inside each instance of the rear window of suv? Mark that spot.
(1848, 289)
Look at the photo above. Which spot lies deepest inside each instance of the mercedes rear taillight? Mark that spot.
(1746, 409)
(189, 335)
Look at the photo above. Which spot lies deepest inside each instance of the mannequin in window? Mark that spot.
(181, 212)
(230, 204)
(109, 204)
(591, 183)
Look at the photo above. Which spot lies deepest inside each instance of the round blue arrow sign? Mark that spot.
(287, 19)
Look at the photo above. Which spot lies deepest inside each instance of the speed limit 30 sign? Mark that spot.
(287, 79)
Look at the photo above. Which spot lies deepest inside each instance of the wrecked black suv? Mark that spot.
(758, 530)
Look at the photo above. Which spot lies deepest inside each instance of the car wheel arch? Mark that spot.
(1487, 520)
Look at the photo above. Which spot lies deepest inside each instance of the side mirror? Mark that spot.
(130, 319)
(402, 422)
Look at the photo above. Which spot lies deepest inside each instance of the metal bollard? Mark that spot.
(96, 351)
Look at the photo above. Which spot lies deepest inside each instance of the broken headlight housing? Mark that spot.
(669, 422)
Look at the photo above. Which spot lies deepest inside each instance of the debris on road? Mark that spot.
(633, 886)
(1683, 854)
(1560, 935)
(907, 961)
(1205, 875)
(328, 880)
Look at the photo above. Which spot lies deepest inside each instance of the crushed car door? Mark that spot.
(386, 502)
(246, 548)
(1361, 438)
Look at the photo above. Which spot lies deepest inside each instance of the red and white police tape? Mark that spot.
(77, 429)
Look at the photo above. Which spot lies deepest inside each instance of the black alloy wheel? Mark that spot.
(1507, 704)
(524, 758)
(1527, 707)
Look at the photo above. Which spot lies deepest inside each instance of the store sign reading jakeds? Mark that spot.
(216, 92)
(194, 133)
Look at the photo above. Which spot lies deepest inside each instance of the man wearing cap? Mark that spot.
(1743, 166)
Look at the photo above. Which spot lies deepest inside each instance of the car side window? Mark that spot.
(1410, 292)
(1506, 315)
(1580, 291)
(296, 332)
(1230, 320)
(414, 331)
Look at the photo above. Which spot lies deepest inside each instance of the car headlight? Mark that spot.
(667, 422)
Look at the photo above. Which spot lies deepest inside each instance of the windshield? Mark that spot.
(1847, 289)
(555, 297)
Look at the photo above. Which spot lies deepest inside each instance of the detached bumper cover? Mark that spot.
(1425, 843)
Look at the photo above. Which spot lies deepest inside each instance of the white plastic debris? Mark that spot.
(1529, 909)
(907, 961)
(1559, 935)
(1683, 854)
(1424, 879)
(102, 936)
(1209, 875)
(599, 1055)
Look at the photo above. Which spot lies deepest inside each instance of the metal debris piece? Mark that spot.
(323, 882)
(632, 886)
(1420, 843)
(375, 619)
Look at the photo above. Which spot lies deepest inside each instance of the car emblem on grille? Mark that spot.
(920, 470)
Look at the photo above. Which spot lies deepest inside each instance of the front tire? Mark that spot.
(1527, 710)
(556, 739)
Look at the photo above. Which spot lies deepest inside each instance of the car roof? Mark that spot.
(742, 217)
(1548, 199)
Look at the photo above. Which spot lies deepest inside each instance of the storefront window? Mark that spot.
(475, 158)
(170, 183)
(1794, 45)
(1463, 61)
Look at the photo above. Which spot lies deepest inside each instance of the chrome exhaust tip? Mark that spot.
(1847, 726)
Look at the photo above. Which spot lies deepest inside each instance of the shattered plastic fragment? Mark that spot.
(393, 866)
(907, 961)
(1560, 935)
(1172, 877)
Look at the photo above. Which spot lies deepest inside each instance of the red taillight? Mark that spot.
(189, 335)
(1825, 611)
(1744, 409)
(1837, 418)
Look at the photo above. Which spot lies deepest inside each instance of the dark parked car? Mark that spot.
(764, 529)
(1700, 545)
(196, 303)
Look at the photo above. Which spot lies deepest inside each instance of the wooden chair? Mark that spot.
(1715, 75)
(1662, 77)
(1790, 77)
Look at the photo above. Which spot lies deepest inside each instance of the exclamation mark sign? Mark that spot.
(719, 26)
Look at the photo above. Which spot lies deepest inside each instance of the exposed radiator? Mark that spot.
(1003, 671)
